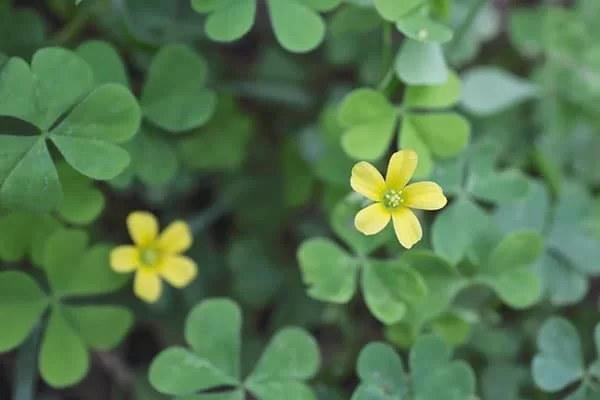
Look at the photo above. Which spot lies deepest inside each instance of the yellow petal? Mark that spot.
(176, 238)
(147, 285)
(401, 168)
(179, 271)
(372, 219)
(124, 258)
(367, 181)
(424, 196)
(143, 228)
(407, 227)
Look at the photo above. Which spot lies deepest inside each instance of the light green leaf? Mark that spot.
(62, 78)
(419, 26)
(297, 27)
(434, 96)
(421, 63)
(526, 212)
(64, 360)
(502, 187)
(23, 234)
(225, 395)
(393, 10)
(328, 270)
(229, 20)
(368, 120)
(275, 390)
(409, 138)
(322, 5)
(82, 201)
(174, 97)
(489, 90)
(100, 327)
(559, 361)
(16, 77)
(381, 373)
(105, 62)
(22, 303)
(563, 284)
(445, 134)
(28, 177)
(292, 354)
(388, 286)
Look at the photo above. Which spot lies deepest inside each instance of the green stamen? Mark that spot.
(149, 256)
(392, 199)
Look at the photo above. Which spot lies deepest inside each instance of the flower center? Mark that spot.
(149, 256)
(392, 199)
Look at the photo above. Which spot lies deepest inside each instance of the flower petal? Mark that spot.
(143, 227)
(424, 196)
(407, 227)
(147, 285)
(124, 258)
(372, 219)
(176, 238)
(401, 168)
(179, 271)
(367, 181)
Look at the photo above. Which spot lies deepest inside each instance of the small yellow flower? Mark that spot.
(155, 256)
(393, 198)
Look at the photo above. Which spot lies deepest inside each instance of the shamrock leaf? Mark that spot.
(82, 201)
(433, 375)
(506, 269)
(23, 234)
(433, 133)
(394, 10)
(174, 97)
(508, 90)
(297, 24)
(72, 272)
(214, 359)
(22, 31)
(381, 373)
(368, 120)
(105, 62)
(332, 274)
(58, 82)
(560, 359)
(419, 63)
(563, 270)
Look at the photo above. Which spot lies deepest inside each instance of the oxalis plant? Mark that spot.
(299, 199)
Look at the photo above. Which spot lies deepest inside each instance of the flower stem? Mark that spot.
(26, 368)
(463, 28)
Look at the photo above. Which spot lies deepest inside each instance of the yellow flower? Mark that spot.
(393, 198)
(155, 256)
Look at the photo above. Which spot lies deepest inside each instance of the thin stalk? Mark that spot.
(386, 51)
(462, 30)
(26, 368)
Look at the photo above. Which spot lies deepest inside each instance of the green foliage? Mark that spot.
(72, 271)
(213, 331)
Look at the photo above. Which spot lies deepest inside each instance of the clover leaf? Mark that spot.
(506, 269)
(435, 132)
(432, 373)
(59, 83)
(569, 257)
(331, 273)
(82, 202)
(297, 24)
(23, 234)
(72, 272)
(471, 177)
(174, 97)
(560, 361)
(419, 63)
(213, 332)
(22, 31)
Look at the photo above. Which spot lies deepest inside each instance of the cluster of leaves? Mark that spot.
(203, 110)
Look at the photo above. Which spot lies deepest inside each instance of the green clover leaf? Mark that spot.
(105, 62)
(22, 32)
(331, 273)
(507, 269)
(434, 133)
(23, 234)
(509, 90)
(213, 330)
(419, 63)
(82, 201)
(433, 375)
(392, 10)
(174, 97)
(559, 362)
(72, 272)
(569, 256)
(58, 83)
(297, 24)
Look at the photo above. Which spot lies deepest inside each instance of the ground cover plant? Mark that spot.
(299, 199)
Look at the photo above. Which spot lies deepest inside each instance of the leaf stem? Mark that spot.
(463, 28)
(386, 51)
(26, 368)
(84, 13)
